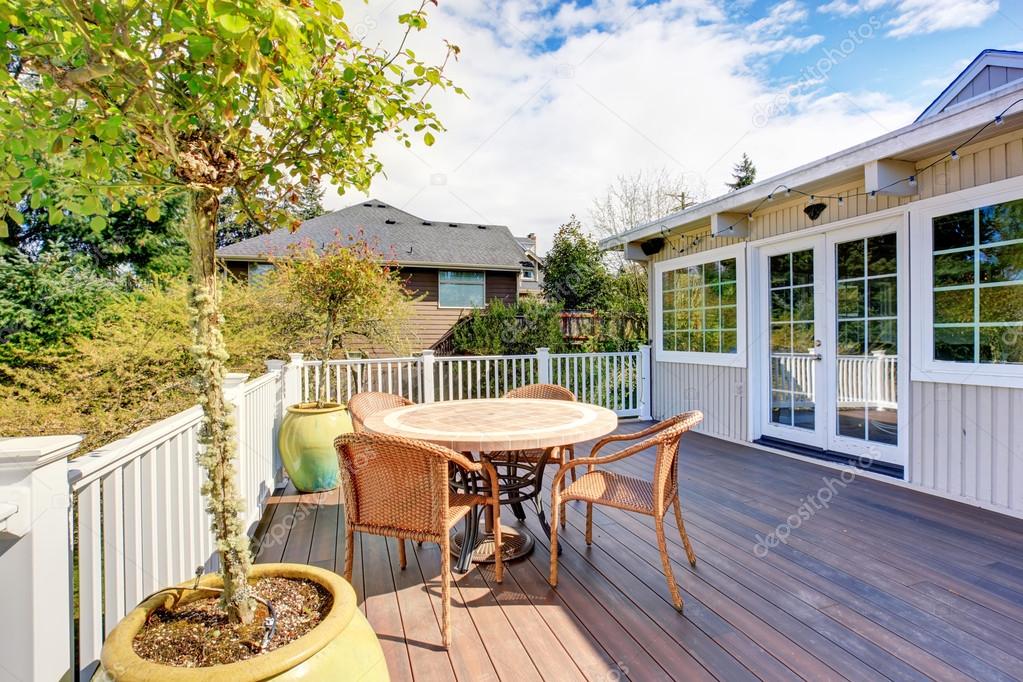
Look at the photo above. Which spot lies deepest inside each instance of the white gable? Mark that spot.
(991, 70)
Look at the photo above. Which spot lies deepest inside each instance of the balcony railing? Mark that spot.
(112, 526)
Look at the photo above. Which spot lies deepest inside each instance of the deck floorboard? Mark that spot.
(881, 582)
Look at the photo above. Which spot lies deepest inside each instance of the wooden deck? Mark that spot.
(878, 583)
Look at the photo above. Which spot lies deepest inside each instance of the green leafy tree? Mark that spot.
(113, 103)
(234, 224)
(351, 289)
(744, 173)
(502, 329)
(574, 272)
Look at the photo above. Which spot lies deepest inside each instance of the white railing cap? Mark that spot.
(36, 451)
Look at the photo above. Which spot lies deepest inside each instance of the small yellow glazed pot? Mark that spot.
(342, 647)
(306, 443)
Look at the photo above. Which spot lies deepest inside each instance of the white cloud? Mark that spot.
(918, 17)
(673, 84)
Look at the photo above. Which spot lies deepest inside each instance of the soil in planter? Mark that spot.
(199, 634)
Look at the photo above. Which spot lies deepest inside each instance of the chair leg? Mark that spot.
(564, 509)
(349, 552)
(445, 590)
(401, 553)
(569, 456)
(682, 531)
(555, 511)
(676, 598)
(498, 554)
(589, 523)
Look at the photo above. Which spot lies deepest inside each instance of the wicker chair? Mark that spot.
(362, 405)
(398, 487)
(612, 489)
(547, 392)
(559, 456)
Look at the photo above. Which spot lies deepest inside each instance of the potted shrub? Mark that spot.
(138, 103)
(355, 293)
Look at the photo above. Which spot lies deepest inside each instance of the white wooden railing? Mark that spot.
(95, 535)
(617, 381)
(862, 381)
(139, 520)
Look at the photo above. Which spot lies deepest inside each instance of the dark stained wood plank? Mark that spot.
(883, 583)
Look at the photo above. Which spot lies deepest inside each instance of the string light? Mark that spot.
(912, 179)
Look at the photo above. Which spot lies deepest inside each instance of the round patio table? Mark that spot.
(501, 429)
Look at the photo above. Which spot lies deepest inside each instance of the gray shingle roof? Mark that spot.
(410, 239)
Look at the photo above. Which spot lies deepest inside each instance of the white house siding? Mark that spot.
(964, 441)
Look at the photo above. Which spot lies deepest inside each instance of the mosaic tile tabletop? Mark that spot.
(497, 424)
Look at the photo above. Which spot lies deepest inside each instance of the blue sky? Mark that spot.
(564, 97)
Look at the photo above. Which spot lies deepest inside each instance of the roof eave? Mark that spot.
(918, 134)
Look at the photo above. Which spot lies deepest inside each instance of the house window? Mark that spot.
(461, 289)
(977, 284)
(528, 274)
(700, 312)
(258, 271)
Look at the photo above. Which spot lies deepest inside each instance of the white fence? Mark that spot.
(617, 381)
(137, 508)
(94, 536)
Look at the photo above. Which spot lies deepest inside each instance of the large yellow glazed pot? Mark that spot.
(306, 443)
(342, 647)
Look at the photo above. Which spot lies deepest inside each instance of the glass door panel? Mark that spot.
(867, 339)
(793, 335)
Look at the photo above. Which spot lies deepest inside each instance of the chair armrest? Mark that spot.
(591, 461)
(619, 437)
(463, 461)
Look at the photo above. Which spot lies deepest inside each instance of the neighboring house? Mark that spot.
(865, 308)
(531, 279)
(457, 266)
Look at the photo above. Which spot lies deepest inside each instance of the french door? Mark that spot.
(831, 322)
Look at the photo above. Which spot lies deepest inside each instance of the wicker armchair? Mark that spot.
(398, 488)
(612, 489)
(362, 405)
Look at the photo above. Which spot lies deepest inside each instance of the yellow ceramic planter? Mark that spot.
(342, 647)
(306, 443)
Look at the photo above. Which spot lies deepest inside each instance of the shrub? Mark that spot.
(134, 368)
(500, 329)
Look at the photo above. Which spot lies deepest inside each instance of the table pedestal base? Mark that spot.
(515, 544)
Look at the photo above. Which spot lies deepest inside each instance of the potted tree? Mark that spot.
(109, 103)
(355, 293)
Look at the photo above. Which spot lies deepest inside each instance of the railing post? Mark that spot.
(278, 368)
(35, 557)
(543, 365)
(644, 383)
(293, 380)
(427, 364)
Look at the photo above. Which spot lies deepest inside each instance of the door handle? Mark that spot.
(817, 357)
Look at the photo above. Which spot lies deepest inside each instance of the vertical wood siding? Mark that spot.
(718, 391)
(965, 441)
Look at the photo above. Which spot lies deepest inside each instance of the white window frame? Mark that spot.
(530, 277)
(461, 307)
(923, 365)
(736, 359)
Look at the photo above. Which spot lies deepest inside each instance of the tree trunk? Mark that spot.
(223, 502)
(328, 345)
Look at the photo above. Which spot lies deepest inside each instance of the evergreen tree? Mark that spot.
(744, 173)
(310, 201)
